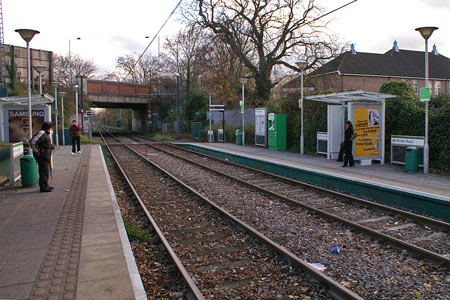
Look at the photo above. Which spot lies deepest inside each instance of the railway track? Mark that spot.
(416, 233)
(236, 172)
(216, 258)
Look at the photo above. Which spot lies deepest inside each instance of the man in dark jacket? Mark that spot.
(42, 147)
(75, 133)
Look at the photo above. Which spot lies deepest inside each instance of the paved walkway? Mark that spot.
(383, 175)
(68, 244)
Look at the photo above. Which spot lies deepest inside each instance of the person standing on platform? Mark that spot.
(75, 133)
(348, 143)
(42, 147)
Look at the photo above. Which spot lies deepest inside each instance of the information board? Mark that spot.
(322, 142)
(260, 126)
(220, 135)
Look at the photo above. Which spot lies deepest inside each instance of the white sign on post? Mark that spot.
(417, 141)
(14, 169)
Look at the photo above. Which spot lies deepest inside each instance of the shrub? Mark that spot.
(135, 233)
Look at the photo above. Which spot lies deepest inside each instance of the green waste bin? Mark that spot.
(411, 160)
(196, 130)
(238, 137)
(29, 171)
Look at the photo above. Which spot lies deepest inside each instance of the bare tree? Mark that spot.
(188, 54)
(77, 67)
(143, 72)
(267, 33)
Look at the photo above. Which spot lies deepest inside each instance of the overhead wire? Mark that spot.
(154, 37)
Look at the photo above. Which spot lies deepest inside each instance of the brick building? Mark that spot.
(18, 55)
(368, 71)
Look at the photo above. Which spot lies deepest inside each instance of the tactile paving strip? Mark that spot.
(58, 275)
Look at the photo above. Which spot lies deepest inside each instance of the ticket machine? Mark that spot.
(276, 128)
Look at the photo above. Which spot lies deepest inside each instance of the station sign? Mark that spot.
(89, 113)
(418, 141)
(217, 107)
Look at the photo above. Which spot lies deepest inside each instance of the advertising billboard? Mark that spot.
(367, 125)
(18, 123)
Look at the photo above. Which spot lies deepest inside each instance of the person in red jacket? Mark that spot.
(75, 133)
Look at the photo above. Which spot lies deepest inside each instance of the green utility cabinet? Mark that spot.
(196, 130)
(276, 131)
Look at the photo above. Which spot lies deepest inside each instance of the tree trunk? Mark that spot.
(263, 85)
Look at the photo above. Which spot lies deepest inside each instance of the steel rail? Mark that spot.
(334, 288)
(188, 279)
(339, 195)
(374, 233)
(342, 196)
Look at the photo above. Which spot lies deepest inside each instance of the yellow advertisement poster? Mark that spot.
(367, 126)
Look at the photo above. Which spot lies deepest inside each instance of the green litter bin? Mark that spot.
(411, 160)
(238, 137)
(29, 171)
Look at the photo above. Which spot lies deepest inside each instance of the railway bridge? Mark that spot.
(113, 94)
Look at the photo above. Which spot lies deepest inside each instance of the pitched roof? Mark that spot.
(404, 63)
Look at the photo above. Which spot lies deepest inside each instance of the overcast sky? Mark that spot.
(111, 28)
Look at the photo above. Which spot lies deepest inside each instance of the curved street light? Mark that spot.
(62, 117)
(40, 70)
(70, 63)
(426, 32)
(243, 81)
(301, 65)
(55, 85)
(27, 35)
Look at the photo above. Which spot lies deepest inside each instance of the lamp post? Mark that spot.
(76, 103)
(40, 70)
(55, 85)
(27, 35)
(70, 63)
(62, 117)
(209, 111)
(243, 81)
(426, 32)
(178, 105)
(301, 65)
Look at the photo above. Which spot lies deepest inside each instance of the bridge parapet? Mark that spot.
(112, 94)
(102, 87)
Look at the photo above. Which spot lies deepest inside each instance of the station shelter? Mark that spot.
(14, 116)
(366, 111)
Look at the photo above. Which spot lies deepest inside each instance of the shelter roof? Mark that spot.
(353, 96)
(23, 100)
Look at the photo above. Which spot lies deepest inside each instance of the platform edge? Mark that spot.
(135, 277)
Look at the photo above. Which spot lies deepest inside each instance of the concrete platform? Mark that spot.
(386, 183)
(70, 243)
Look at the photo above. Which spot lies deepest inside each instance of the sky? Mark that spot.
(112, 28)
